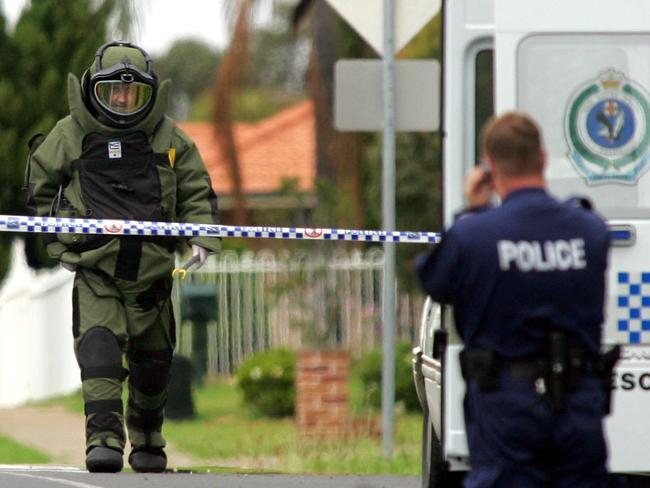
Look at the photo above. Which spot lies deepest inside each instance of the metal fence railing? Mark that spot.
(280, 299)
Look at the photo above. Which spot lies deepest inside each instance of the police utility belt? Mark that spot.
(554, 374)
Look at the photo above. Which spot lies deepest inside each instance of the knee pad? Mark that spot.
(149, 371)
(99, 355)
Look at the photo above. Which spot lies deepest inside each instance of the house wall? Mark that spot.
(36, 347)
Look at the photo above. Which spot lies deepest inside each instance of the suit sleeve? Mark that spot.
(47, 173)
(196, 201)
(438, 270)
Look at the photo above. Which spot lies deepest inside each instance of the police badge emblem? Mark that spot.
(607, 129)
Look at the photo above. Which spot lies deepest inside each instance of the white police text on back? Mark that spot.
(559, 255)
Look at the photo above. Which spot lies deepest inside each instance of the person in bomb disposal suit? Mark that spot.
(118, 156)
(526, 281)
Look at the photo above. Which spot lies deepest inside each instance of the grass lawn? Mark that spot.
(224, 432)
(12, 452)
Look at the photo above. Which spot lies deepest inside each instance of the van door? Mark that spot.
(582, 70)
(468, 103)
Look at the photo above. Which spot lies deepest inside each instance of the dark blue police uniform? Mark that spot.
(512, 273)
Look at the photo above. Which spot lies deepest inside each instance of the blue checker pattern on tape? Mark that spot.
(633, 305)
(20, 223)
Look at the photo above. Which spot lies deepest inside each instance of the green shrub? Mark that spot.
(369, 370)
(267, 382)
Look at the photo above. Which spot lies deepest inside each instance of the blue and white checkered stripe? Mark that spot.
(58, 225)
(633, 306)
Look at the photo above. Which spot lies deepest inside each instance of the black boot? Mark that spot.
(148, 460)
(100, 459)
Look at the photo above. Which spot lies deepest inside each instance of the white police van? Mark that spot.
(581, 68)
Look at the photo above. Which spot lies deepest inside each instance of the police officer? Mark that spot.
(526, 281)
(118, 156)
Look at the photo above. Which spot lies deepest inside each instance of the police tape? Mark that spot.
(64, 225)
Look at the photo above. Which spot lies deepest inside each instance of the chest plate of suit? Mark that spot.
(119, 177)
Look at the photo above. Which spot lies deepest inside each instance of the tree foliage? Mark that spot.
(50, 40)
(191, 64)
(278, 56)
(353, 162)
(349, 165)
(271, 73)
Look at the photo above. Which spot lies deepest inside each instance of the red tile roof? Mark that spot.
(279, 147)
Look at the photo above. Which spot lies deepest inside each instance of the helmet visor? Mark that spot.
(123, 98)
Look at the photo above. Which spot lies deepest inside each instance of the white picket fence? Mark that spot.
(263, 300)
(268, 300)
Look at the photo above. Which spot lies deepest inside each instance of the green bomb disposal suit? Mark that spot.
(122, 313)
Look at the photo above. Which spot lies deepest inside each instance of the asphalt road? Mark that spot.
(48, 477)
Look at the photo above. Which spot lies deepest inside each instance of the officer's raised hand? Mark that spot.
(479, 186)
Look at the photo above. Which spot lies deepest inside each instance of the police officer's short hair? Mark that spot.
(514, 142)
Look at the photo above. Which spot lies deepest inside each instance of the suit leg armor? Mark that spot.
(99, 329)
(149, 356)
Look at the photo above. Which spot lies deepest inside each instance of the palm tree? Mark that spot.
(338, 154)
(225, 87)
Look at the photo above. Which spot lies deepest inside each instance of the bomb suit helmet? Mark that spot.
(121, 86)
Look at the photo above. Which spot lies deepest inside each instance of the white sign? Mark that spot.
(367, 18)
(358, 96)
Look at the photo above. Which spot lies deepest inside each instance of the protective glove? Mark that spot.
(202, 254)
(70, 267)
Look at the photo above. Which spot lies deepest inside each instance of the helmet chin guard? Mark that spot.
(121, 86)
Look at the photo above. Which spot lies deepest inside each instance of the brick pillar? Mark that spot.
(322, 393)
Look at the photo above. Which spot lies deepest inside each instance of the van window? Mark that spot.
(484, 94)
(591, 96)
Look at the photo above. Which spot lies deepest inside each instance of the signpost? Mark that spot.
(388, 220)
(387, 25)
(359, 98)
(368, 19)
